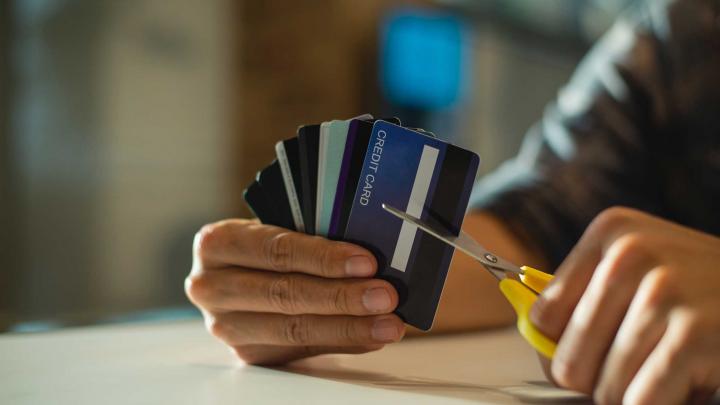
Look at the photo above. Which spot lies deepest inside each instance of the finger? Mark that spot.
(249, 244)
(268, 355)
(589, 333)
(664, 378)
(545, 364)
(247, 328)
(639, 334)
(553, 308)
(555, 305)
(226, 290)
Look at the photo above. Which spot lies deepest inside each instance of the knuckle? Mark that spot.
(297, 331)
(197, 288)
(611, 219)
(324, 255)
(569, 373)
(632, 246)
(278, 251)
(661, 285)
(339, 300)
(215, 327)
(348, 332)
(208, 239)
(282, 295)
(626, 256)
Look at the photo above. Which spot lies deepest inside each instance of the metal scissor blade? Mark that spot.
(497, 265)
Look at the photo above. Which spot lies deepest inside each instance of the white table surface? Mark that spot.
(179, 363)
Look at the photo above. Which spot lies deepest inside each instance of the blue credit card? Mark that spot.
(425, 177)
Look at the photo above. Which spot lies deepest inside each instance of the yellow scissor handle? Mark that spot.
(535, 279)
(522, 299)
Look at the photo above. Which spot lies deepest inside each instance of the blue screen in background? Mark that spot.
(423, 60)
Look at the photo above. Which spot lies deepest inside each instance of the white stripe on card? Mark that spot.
(418, 195)
(290, 189)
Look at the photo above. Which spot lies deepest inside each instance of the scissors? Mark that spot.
(520, 285)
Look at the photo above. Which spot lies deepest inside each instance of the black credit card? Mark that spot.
(259, 204)
(271, 182)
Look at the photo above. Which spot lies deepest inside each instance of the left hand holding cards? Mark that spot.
(275, 295)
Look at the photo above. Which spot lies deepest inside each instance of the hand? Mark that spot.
(274, 295)
(635, 309)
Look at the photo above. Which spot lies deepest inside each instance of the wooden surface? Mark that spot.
(178, 363)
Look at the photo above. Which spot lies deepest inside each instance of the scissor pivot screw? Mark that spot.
(491, 258)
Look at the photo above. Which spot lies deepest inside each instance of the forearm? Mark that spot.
(471, 299)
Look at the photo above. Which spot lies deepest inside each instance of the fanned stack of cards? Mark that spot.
(332, 179)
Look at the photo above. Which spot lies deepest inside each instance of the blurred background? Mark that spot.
(126, 125)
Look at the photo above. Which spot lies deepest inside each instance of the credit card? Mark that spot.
(425, 177)
(324, 140)
(353, 155)
(259, 203)
(271, 182)
(308, 140)
(333, 156)
(287, 153)
(330, 154)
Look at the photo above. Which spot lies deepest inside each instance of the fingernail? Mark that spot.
(385, 330)
(376, 300)
(358, 266)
